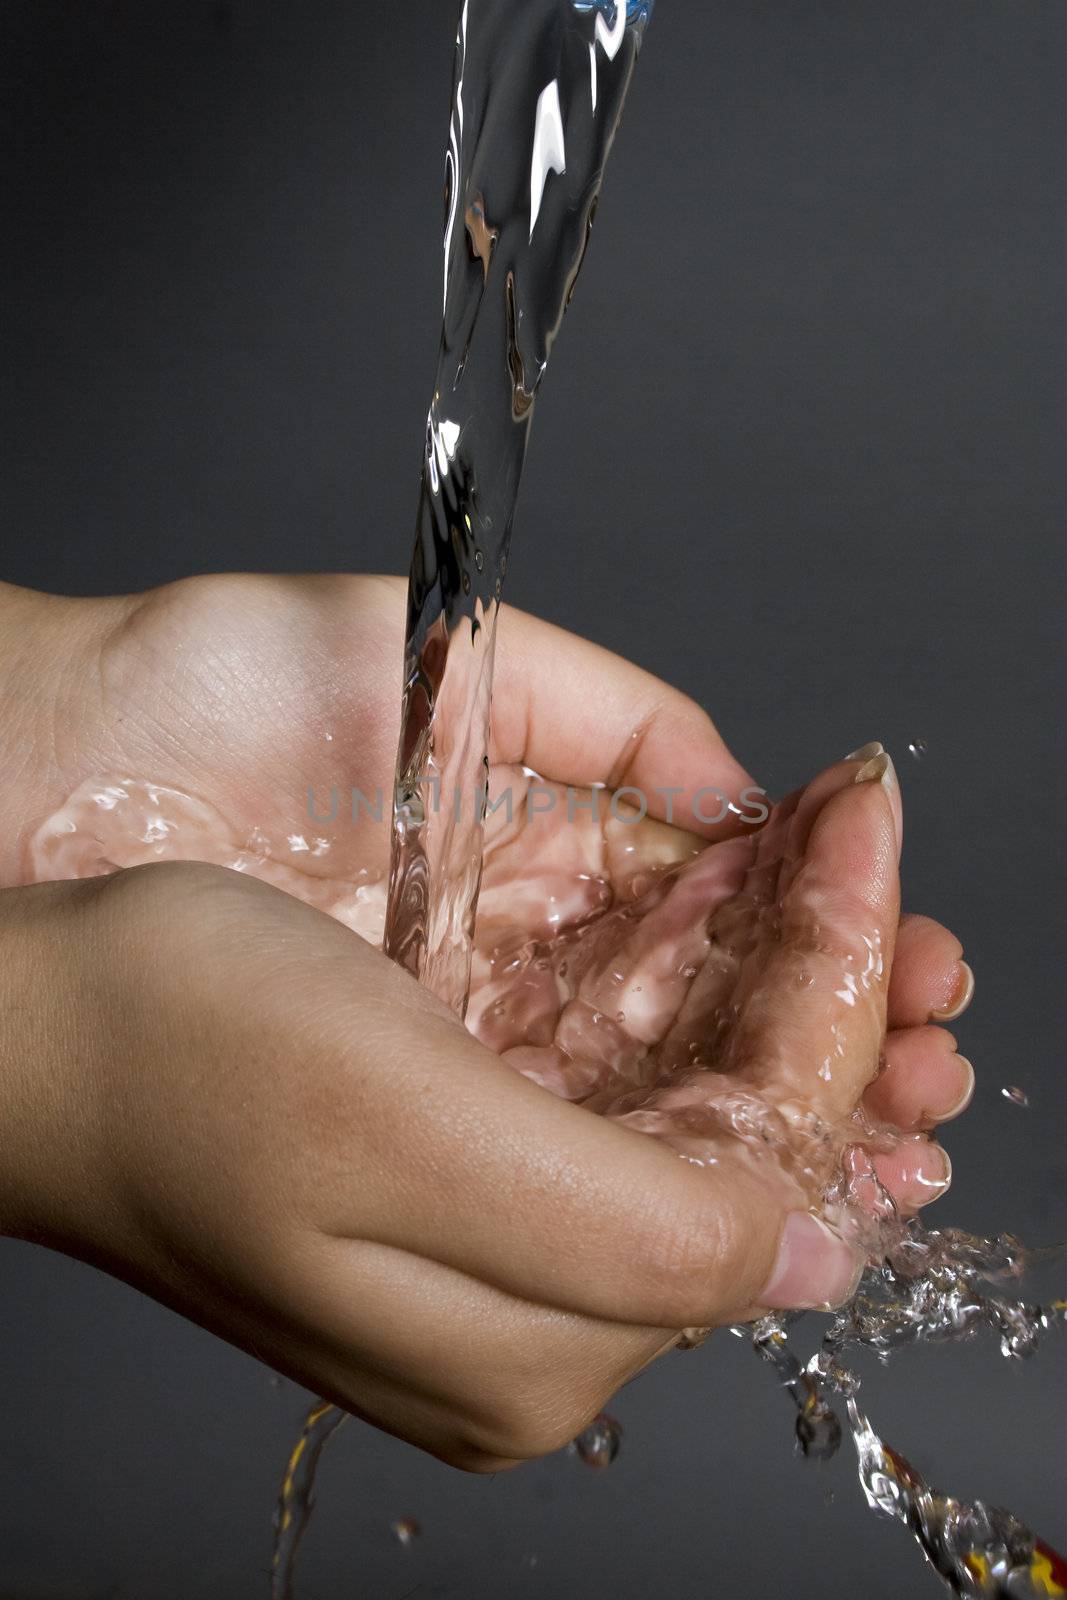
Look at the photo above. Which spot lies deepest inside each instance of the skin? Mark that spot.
(230, 1099)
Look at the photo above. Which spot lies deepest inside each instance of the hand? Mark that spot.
(172, 687)
(724, 992)
(231, 1101)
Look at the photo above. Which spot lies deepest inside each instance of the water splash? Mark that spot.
(980, 1551)
(115, 821)
(933, 1286)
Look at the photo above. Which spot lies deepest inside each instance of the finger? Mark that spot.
(924, 1081)
(869, 762)
(553, 1069)
(930, 981)
(581, 716)
(813, 1014)
(552, 880)
(644, 981)
(916, 1173)
(554, 855)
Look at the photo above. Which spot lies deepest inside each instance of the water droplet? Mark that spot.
(405, 1530)
(620, 1016)
(598, 1445)
(1018, 1097)
(917, 749)
(818, 1431)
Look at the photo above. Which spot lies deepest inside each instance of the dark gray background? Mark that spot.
(799, 452)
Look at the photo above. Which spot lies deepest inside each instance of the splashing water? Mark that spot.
(932, 1286)
(981, 1552)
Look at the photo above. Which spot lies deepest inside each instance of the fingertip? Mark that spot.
(880, 769)
(853, 851)
(916, 1173)
(961, 996)
(925, 1081)
(926, 979)
(967, 1082)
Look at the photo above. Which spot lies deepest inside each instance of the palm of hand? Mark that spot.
(255, 729)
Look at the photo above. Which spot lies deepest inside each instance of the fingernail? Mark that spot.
(815, 1269)
(932, 1176)
(959, 1106)
(962, 996)
(876, 768)
(880, 769)
(865, 751)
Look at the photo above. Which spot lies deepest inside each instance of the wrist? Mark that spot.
(30, 1085)
(51, 653)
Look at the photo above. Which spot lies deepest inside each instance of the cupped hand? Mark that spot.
(258, 719)
(230, 1100)
(267, 1126)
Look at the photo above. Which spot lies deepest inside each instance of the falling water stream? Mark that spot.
(539, 88)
